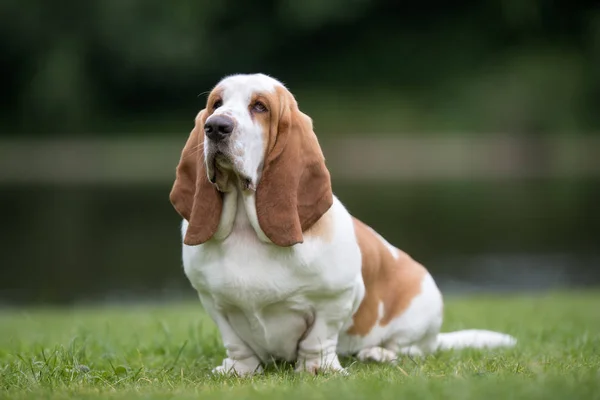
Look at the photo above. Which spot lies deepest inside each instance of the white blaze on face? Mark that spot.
(244, 148)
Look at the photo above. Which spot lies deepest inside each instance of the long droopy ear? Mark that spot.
(294, 190)
(193, 196)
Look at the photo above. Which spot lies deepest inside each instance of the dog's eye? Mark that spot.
(217, 104)
(259, 107)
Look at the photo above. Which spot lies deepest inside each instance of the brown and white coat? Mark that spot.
(278, 262)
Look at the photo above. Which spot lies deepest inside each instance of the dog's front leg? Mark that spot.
(241, 360)
(317, 351)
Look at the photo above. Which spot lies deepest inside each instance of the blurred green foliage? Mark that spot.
(102, 66)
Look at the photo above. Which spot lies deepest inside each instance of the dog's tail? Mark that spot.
(474, 339)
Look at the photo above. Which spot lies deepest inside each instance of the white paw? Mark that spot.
(241, 368)
(327, 364)
(377, 354)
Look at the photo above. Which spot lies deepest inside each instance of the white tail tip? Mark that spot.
(474, 339)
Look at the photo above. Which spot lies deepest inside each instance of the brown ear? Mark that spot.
(294, 190)
(193, 196)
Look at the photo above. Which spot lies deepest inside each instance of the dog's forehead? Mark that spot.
(244, 86)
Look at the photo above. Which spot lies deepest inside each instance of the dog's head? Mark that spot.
(252, 137)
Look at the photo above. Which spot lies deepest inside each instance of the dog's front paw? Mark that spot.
(319, 365)
(242, 368)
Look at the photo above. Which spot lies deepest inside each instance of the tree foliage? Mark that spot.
(66, 63)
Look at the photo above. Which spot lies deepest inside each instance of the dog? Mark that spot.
(278, 262)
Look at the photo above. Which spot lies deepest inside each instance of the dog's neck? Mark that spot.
(239, 212)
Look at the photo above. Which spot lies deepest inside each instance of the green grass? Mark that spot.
(167, 351)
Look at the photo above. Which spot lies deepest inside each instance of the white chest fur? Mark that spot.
(269, 295)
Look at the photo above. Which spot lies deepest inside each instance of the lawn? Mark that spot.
(167, 351)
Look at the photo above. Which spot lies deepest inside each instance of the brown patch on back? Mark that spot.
(388, 280)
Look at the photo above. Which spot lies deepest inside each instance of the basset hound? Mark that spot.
(278, 262)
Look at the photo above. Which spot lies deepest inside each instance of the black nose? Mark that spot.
(218, 127)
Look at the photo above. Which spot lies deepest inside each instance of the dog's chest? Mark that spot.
(264, 291)
(241, 272)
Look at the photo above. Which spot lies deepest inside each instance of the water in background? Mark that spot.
(116, 243)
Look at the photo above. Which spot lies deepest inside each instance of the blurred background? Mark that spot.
(467, 133)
